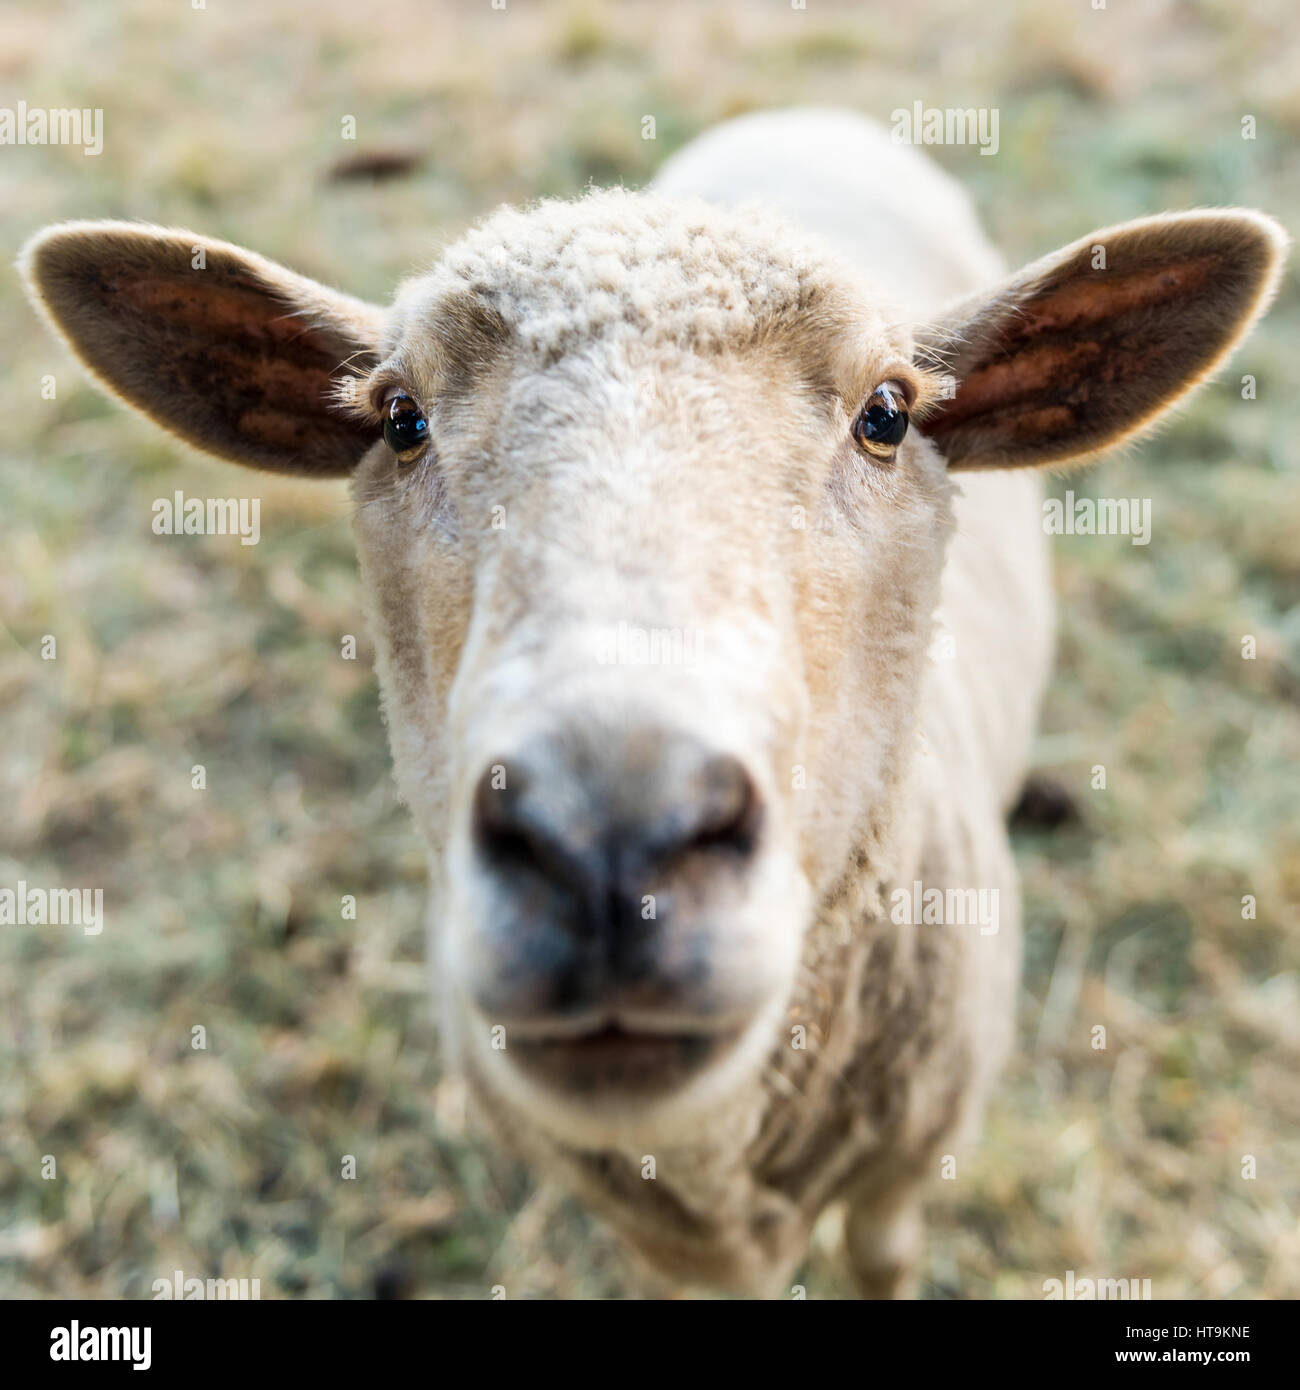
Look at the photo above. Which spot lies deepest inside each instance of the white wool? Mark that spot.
(614, 263)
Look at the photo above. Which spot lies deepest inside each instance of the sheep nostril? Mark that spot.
(728, 813)
(502, 830)
(585, 834)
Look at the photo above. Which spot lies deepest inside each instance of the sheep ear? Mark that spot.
(1091, 345)
(230, 351)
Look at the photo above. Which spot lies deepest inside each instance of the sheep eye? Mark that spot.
(882, 422)
(406, 430)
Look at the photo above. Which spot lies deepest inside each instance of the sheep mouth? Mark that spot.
(615, 1058)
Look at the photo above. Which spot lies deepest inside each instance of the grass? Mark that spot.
(224, 906)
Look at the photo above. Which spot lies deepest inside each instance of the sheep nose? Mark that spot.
(599, 820)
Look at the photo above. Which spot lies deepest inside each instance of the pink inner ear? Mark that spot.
(217, 357)
(1098, 296)
(1082, 360)
(229, 316)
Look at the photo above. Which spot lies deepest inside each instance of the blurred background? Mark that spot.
(223, 907)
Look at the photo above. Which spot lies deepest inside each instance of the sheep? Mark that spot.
(728, 936)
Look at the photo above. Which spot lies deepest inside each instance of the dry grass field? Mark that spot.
(223, 906)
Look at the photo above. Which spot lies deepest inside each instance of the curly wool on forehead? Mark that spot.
(613, 262)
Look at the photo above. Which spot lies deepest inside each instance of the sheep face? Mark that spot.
(651, 625)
